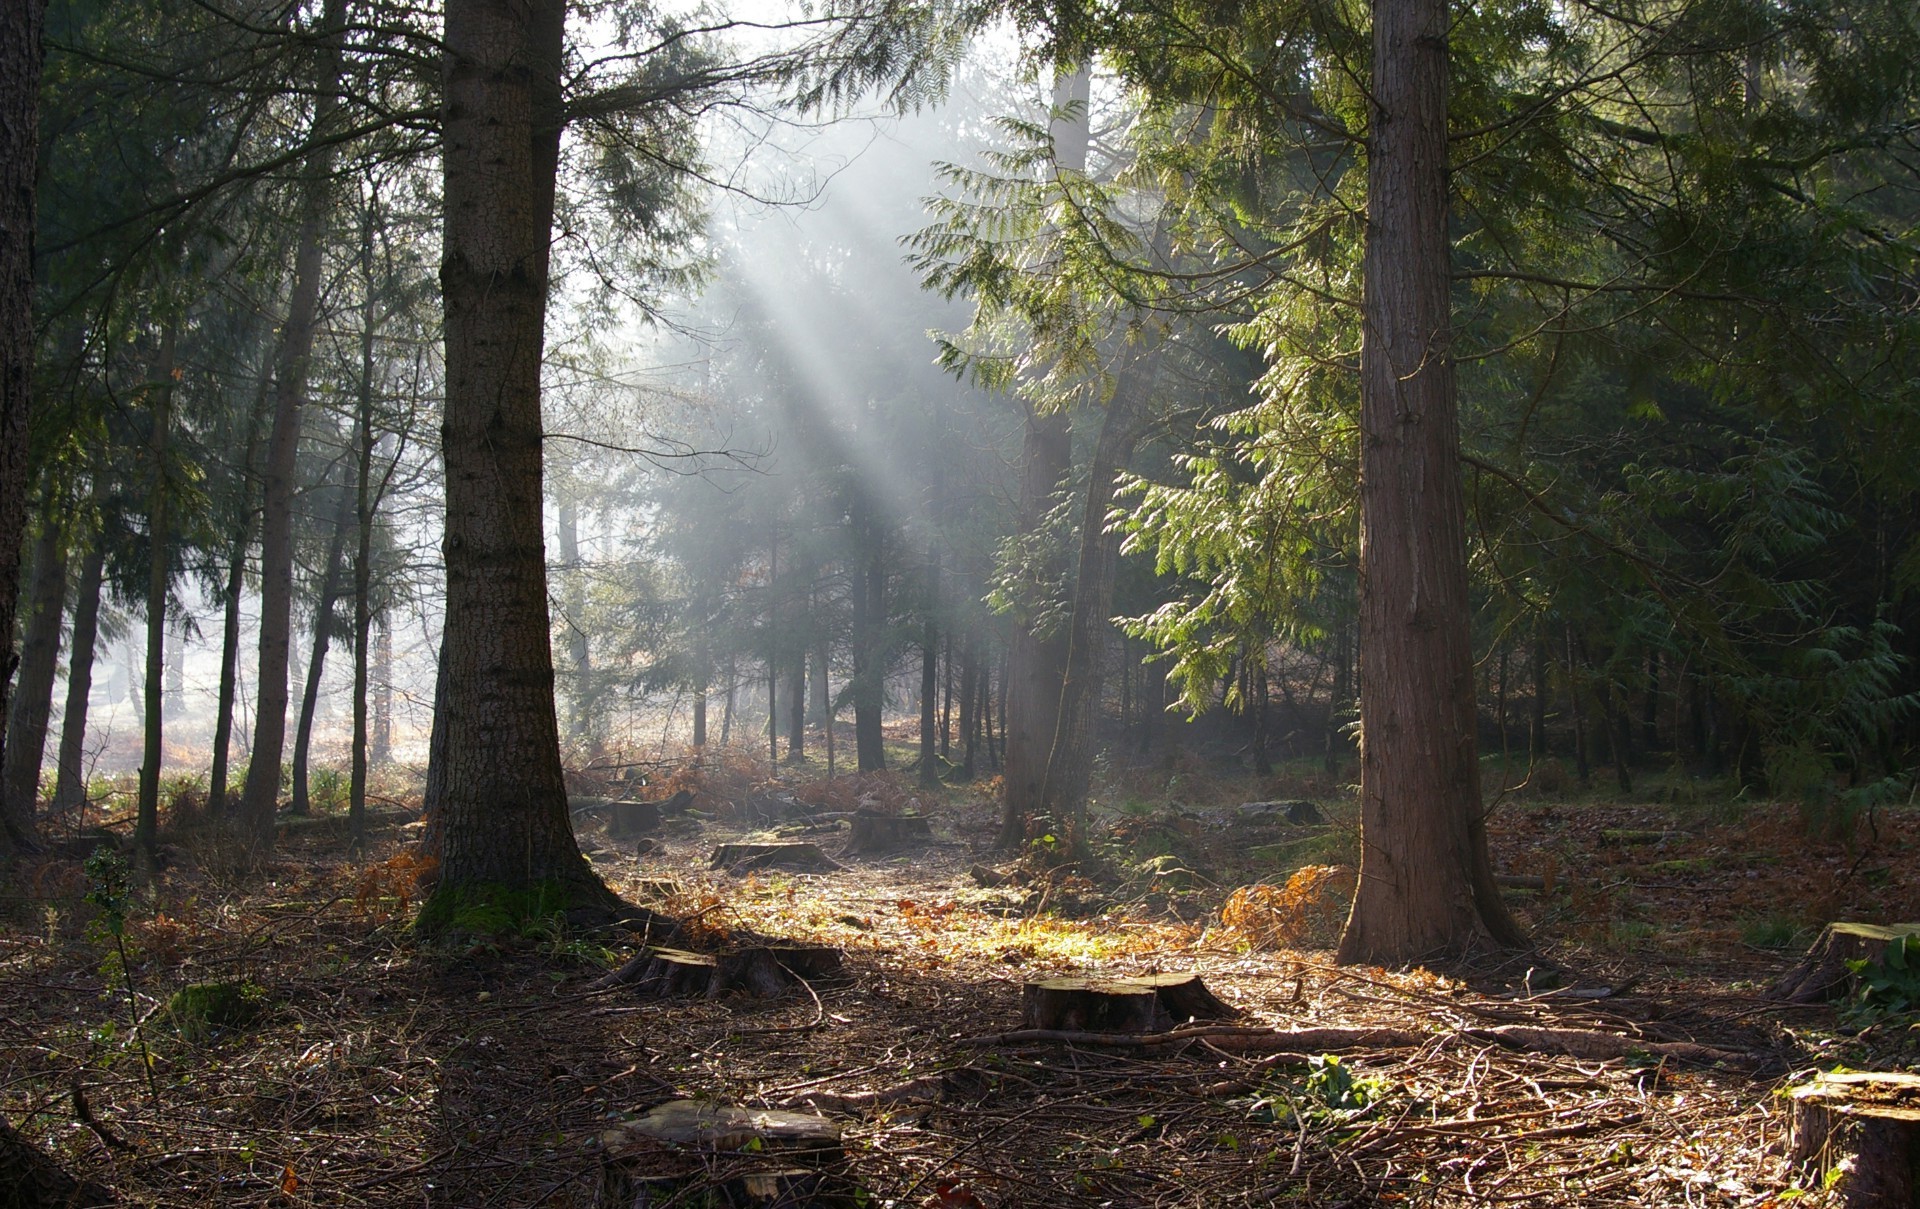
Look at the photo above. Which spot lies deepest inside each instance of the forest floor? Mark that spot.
(377, 1071)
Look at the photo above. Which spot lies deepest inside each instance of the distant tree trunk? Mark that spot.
(822, 707)
(726, 712)
(797, 707)
(969, 708)
(381, 747)
(20, 26)
(1426, 884)
(1339, 694)
(1576, 677)
(869, 626)
(1537, 724)
(146, 827)
(580, 696)
(1262, 761)
(261, 795)
(27, 714)
(70, 782)
(317, 657)
(1153, 704)
(946, 697)
(773, 652)
(503, 798)
(229, 674)
(930, 674)
(1650, 705)
(365, 502)
(1038, 661)
(700, 699)
(1069, 772)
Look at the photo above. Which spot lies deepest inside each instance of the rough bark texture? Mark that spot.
(262, 793)
(1426, 886)
(1824, 973)
(70, 781)
(33, 693)
(1867, 1124)
(497, 796)
(20, 25)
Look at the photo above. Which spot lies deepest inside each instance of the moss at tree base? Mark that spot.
(494, 909)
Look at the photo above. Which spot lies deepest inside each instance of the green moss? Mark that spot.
(489, 909)
(200, 1010)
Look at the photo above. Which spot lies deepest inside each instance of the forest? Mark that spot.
(959, 603)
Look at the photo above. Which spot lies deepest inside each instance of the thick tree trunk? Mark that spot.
(317, 656)
(20, 25)
(501, 797)
(33, 693)
(70, 781)
(1426, 885)
(1038, 661)
(261, 796)
(146, 827)
(1063, 795)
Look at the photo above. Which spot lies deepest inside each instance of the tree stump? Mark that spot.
(875, 832)
(629, 819)
(795, 855)
(700, 1152)
(763, 971)
(1149, 1003)
(1823, 973)
(1871, 1118)
(30, 1179)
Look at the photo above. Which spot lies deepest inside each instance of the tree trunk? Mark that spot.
(700, 704)
(1038, 660)
(317, 657)
(70, 782)
(229, 673)
(969, 708)
(797, 706)
(930, 674)
(146, 827)
(579, 699)
(502, 798)
(380, 751)
(261, 796)
(365, 502)
(946, 697)
(1537, 724)
(1063, 795)
(39, 666)
(20, 25)
(1426, 885)
(869, 625)
(1262, 760)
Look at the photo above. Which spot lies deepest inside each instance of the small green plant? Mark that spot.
(1889, 986)
(1332, 1083)
(110, 889)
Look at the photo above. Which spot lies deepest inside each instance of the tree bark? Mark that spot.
(365, 502)
(229, 671)
(501, 798)
(869, 585)
(380, 747)
(70, 781)
(1037, 664)
(1426, 885)
(39, 666)
(930, 674)
(20, 26)
(146, 827)
(261, 796)
(579, 665)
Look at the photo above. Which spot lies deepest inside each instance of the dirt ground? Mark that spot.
(381, 1072)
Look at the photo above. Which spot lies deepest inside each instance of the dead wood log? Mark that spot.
(31, 1179)
(797, 856)
(1148, 1003)
(1868, 1120)
(871, 831)
(1823, 973)
(1222, 1036)
(687, 1150)
(1600, 1046)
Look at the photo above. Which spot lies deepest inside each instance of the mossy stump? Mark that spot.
(747, 857)
(872, 832)
(1147, 1003)
(1823, 973)
(1868, 1120)
(699, 1152)
(205, 1009)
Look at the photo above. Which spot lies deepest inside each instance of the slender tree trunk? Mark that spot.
(726, 712)
(32, 701)
(261, 795)
(229, 672)
(579, 700)
(797, 707)
(969, 709)
(1650, 705)
(946, 697)
(381, 747)
(700, 700)
(930, 674)
(70, 782)
(20, 26)
(1069, 772)
(1537, 724)
(502, 799)
(365, 502)
(869, 623)
(1262, 760)
(146, 827)
(1426, 885)
(822, 707)
(317, 657)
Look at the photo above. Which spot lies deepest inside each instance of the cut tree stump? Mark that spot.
(1871, 1118)
(706, 1153)
(1823, 974)
(1149, 1003)
(796, 855)
(759, 970)
(31, 1179)
(875, 832)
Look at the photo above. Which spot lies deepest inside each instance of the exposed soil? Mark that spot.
(382, 1073)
